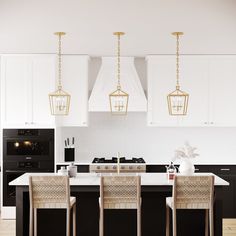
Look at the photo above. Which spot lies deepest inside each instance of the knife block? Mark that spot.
(69, 154)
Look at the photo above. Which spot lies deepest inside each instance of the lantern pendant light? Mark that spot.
(118, 99)
(177, 100)
(59, 100)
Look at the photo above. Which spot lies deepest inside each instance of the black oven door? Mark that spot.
(27, 147)
(36, 146)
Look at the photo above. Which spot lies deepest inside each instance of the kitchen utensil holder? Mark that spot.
(69, 154)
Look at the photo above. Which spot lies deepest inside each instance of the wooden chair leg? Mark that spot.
(206, 221)
(174, 222)
(68, 222)
(139, 221)
(101, 223)
(74, 220)
(211, 222)
(35, 221)
(167, 220)
(31, 222)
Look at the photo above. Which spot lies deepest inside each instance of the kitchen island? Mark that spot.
(155, 188)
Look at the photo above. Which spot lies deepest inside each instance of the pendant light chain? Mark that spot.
(118, 63)
(59, 100)
(177, 61)
(177, 100)
(118, 98)
(59, 62)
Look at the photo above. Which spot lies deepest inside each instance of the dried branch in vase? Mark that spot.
(186, 152)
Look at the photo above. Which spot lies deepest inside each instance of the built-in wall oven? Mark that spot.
(25, 150)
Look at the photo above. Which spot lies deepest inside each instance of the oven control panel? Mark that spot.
(28, 164)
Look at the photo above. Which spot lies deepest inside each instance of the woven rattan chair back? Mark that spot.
(122, 192)
(193, 192)
(49, 191)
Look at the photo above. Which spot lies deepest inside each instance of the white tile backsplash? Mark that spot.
(107, 134)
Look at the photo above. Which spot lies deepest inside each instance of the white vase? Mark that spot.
(186, 167)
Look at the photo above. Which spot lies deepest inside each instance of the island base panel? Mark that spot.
(116, 222)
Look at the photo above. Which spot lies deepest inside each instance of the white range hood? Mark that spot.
(106, 83)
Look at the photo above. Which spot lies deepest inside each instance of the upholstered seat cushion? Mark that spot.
(120, 206)
(53, 204)
(187, 205)
(114, 203)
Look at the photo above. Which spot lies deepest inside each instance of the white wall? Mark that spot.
(27, 26)
(129, 135)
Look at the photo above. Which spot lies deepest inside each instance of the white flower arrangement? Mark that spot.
(186, 152)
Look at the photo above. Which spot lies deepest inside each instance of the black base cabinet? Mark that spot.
(229, 197)
(226, 172)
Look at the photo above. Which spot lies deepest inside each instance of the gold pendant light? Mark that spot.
(59, 100)
(118, 99)
(177, 100)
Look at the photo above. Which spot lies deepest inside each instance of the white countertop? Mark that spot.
(147, 163)
(93, 179)
(107, 164)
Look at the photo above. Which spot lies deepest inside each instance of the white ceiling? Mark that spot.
(27, 26)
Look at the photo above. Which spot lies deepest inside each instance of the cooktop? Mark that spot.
(122, 160)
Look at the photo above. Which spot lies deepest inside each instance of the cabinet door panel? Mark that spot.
(15, 76)
(161, 81)
(43, 83)
(194, 81)
(222, 72)
(75, 82)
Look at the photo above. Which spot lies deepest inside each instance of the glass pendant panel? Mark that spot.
(59, 103)
(178, 103)
(119, 102)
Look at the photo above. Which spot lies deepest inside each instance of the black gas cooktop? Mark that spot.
(114, 160)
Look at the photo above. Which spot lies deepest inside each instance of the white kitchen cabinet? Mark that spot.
(43, 83)
(222, 104)
(162, 81)
(15, 72)
(26, 81)
(210, 82)
(75, 82)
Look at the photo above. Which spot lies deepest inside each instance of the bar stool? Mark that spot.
(51, 192)
(120, 192)
(191, 192)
